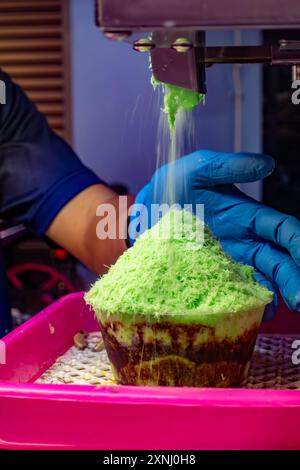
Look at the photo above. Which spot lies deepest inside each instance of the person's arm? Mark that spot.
(75, 228)
(44, 184)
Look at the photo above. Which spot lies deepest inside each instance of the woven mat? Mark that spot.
(271, 366)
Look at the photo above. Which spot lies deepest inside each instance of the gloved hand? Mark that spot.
(249, 231)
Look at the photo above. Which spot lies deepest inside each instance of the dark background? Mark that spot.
(281, 133)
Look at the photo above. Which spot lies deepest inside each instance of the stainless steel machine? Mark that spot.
(173, 31)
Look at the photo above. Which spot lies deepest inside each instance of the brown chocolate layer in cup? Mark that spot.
(178, 362)
(177, 371)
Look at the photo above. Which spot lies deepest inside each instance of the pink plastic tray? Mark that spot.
(38, 416)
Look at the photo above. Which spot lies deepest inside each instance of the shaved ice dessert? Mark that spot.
(177, 98)
(176, 310)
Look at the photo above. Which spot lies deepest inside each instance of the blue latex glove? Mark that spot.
(250, 232)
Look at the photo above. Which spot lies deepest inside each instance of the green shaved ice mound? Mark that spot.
(176, 273)
(177, 98)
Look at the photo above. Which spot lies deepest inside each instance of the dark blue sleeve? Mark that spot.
(39, 172)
